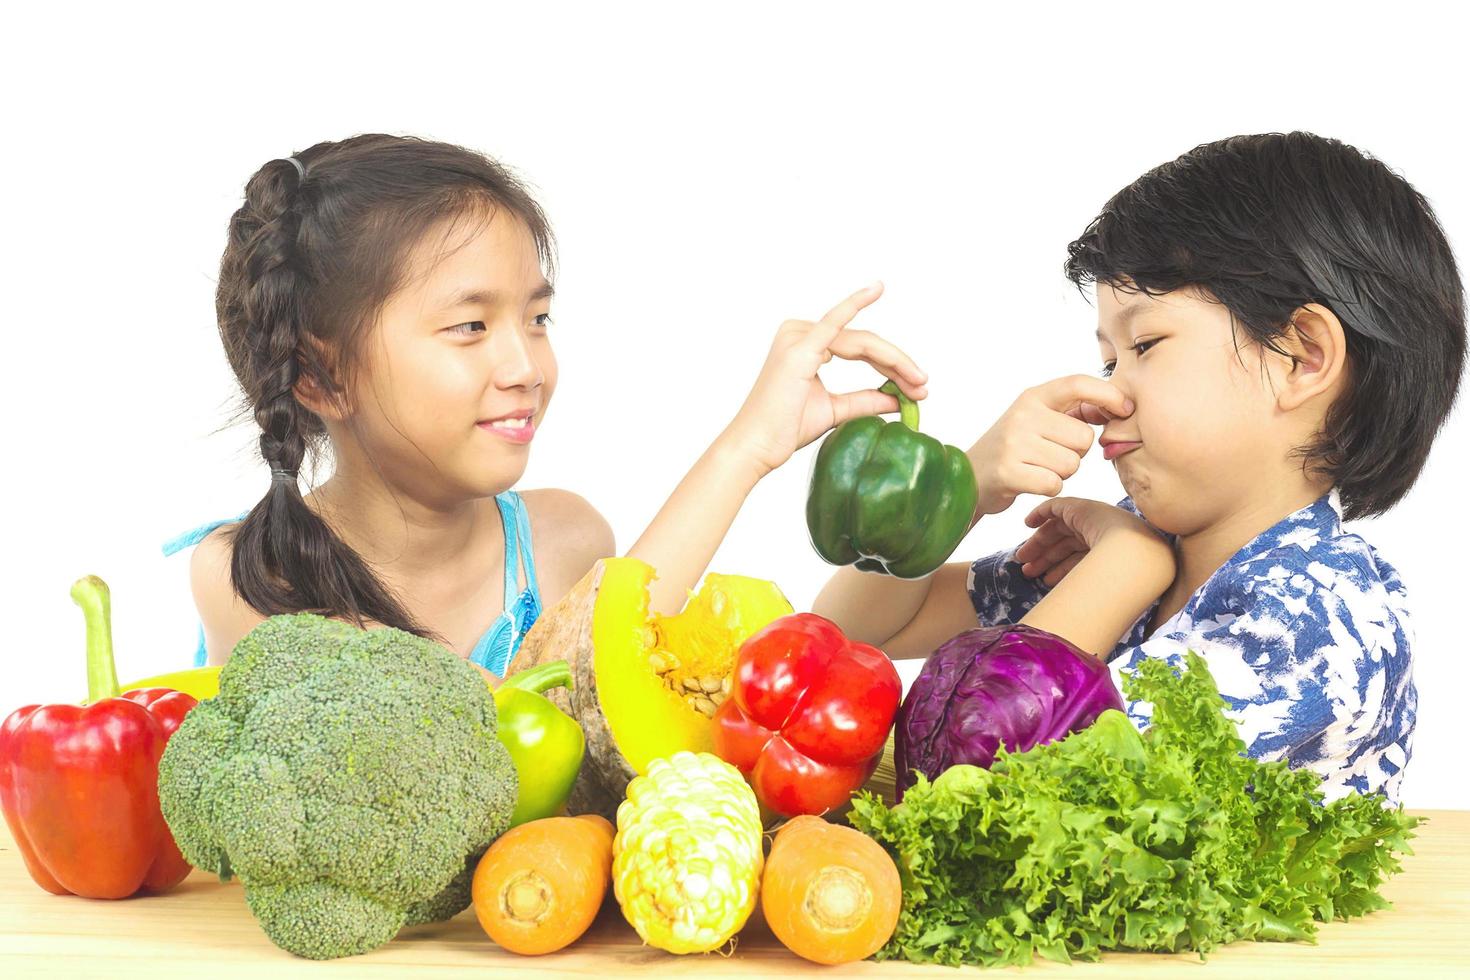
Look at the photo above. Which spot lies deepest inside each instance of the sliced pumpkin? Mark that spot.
(644, 685)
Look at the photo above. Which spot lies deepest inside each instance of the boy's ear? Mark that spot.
(1318, 346)
(325, 401)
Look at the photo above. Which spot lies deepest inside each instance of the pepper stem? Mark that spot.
(908, 409)
(91, 593)
(542, 677)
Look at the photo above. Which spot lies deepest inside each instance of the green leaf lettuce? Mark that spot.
(1169, 840)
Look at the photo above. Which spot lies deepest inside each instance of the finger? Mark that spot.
(839, 316)
(1070, 392)
(1089, 413)
(1058, 573)
(1039, 480)
(1041, 541)
(1058, 552)
(1040, 514)
(1045, 538)
(1055, 509)
(1060, 460)
(1070, 433)
(1062, 550)
(855, 404)
(861, 345)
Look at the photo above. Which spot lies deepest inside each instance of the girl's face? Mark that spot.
(459, 372)
(1206, 422)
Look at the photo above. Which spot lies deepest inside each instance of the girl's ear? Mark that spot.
(1319, 356)
(312, 389)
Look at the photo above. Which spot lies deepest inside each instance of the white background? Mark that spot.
(709, 173)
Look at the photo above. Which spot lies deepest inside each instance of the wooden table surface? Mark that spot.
(202, 928)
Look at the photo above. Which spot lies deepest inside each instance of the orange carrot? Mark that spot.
(829, 893)
(539, 886)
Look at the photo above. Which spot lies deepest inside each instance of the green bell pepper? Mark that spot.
(545, 744)
(888, 498)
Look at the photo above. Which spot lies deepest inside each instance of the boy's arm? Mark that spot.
(1099, 599)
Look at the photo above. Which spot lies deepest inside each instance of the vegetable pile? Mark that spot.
(1108, 839)
(358, 781)
(351, 779)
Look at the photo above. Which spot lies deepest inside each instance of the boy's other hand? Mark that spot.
(1070, 527)
(1041, 439)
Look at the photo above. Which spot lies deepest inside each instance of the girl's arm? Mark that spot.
(788, 407)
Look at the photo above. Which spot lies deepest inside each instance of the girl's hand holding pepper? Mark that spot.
(789, 407)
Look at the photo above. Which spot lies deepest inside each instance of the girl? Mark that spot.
(391, 298)
(1240, 460)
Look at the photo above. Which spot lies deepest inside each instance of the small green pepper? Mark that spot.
(888, 498)
(545, 744)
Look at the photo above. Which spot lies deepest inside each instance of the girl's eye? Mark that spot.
(468, 329)
(1107, 370)
(543, 320)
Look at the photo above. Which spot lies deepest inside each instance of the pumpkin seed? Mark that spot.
(725, 687)
(718, 698)
(660, 663)
(709, 683)
(692, 684)
(705, 707)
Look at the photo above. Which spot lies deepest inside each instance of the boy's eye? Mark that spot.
(468, 329)
(1140, 347)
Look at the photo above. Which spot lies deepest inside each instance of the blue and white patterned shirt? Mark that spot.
(1306, 631)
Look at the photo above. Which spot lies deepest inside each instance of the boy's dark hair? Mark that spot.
(1265, 224)
(312, 257)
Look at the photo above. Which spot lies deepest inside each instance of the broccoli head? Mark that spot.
(350, 778)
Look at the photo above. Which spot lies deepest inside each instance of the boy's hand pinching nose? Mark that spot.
(1041, 439)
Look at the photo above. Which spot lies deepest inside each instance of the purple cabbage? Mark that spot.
(1013, 684)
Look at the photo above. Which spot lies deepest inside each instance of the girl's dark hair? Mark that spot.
(311, 259)
(1265, 224)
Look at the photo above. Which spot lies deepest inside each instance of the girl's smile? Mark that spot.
(517, 427)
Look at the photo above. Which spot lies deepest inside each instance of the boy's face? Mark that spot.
(461, 345)
(1205, 417)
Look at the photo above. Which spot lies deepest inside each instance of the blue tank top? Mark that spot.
(500, 642)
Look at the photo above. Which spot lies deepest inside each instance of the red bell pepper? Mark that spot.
(79, 785)
(808, 714)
